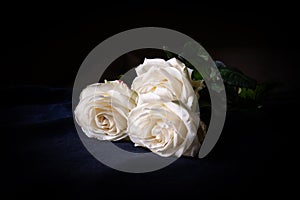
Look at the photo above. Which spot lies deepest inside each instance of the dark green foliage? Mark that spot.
(241, 90)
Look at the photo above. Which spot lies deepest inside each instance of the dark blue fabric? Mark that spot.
(44, 153)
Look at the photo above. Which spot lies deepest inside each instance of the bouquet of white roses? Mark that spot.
(160, 111)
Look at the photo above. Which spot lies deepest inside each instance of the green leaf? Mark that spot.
(169, 54)
(259, 92)
(235, 78)
(120, 76)
(263, 89)
(247, 93)
(196, 76)
(204, 104)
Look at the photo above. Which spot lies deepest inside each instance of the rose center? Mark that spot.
(103, 121)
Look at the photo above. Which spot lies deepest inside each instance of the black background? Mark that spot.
(44, 45)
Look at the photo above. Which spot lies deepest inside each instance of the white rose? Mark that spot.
(166, 128)
(162, 80)
(103, 110)
(187, 72)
